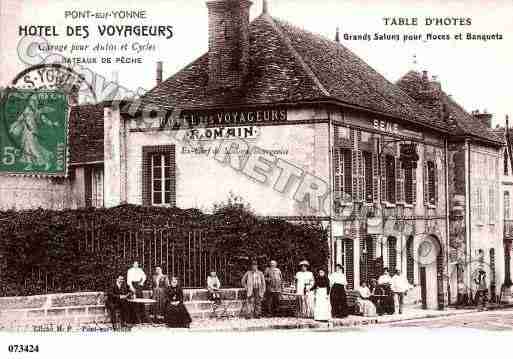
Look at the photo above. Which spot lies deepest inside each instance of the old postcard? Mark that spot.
(269, 165)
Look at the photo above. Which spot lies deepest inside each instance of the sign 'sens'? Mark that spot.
(386, 126)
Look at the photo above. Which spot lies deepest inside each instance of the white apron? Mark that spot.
(322, 310)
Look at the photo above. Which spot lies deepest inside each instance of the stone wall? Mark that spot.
(75, 309)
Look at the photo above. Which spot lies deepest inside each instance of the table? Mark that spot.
(148, 303)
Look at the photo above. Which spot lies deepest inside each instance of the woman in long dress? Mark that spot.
(338, 296)
(367, 308)
(160, 283)
(27, 127)
(304, 283)
(322, 304)
(177, 315)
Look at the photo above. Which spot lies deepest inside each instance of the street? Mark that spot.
(486, 320)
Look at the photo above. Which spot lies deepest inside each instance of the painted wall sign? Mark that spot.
(227, 133)
(225, 118)
(386, 126)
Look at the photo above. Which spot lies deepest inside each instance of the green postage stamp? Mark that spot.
(34, 132)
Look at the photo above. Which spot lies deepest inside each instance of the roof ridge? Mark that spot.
(296, 55)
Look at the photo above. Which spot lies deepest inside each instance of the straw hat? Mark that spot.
(304, 263)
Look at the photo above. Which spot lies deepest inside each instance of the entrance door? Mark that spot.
(422, 275)
(431, 286)
(428, 255)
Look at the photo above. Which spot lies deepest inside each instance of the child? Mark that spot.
(213, 286)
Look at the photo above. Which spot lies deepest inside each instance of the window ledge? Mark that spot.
(390, 205)
(431, 206)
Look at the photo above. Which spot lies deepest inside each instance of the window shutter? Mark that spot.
(383, 178)
(361, 176)
(336, 169)
(399, 181)
(425, 182)
(355, 175)
(354, 180)
(349, 257)
(414, 185)
(435, 175)
(375, 178)
(88, 186)
(348, 185)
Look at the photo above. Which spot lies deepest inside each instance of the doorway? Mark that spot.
(429, 254)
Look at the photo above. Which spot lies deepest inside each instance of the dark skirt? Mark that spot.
(177, 316)
(338, 301)
(159, 295)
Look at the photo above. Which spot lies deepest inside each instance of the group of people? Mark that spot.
(323, 296)
(125, 309)
(320, 296)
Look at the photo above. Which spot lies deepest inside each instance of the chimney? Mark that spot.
(265, 7)
(436, 83)
(228, 43)
(337, 35)
(424, 75)
(485, 118)
(159, 72)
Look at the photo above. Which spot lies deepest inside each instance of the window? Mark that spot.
(343, 174)
(410, 261)
(392, 254)
(159, 176)
(345, 247)
(491, 205)
(409, 184)
(431, 183)
(479, 205)
(161, 179)
(507, 206)
(94, 186)
(369, 186)
(506, 165)
(390, 178)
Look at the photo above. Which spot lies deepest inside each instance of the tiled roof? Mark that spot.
(290, 65)
(86, 134)
(443, 106)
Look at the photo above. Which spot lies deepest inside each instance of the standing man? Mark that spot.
(116, 303)
(399, 286)
(135, 279)
(273, 281)
(254, 283)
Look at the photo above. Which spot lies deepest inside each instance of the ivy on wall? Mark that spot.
(43, 251)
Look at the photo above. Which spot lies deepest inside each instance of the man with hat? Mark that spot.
(254, 283)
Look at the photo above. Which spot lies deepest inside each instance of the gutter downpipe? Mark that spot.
(447, 218)
(469, 217)
(330, 177)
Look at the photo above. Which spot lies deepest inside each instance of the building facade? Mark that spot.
(399, 174)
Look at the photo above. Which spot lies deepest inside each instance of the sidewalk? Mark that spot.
(239, 324)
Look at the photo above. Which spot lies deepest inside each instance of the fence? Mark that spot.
(184, 253)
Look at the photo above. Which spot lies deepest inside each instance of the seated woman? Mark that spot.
(366, 306)
(177, 315)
